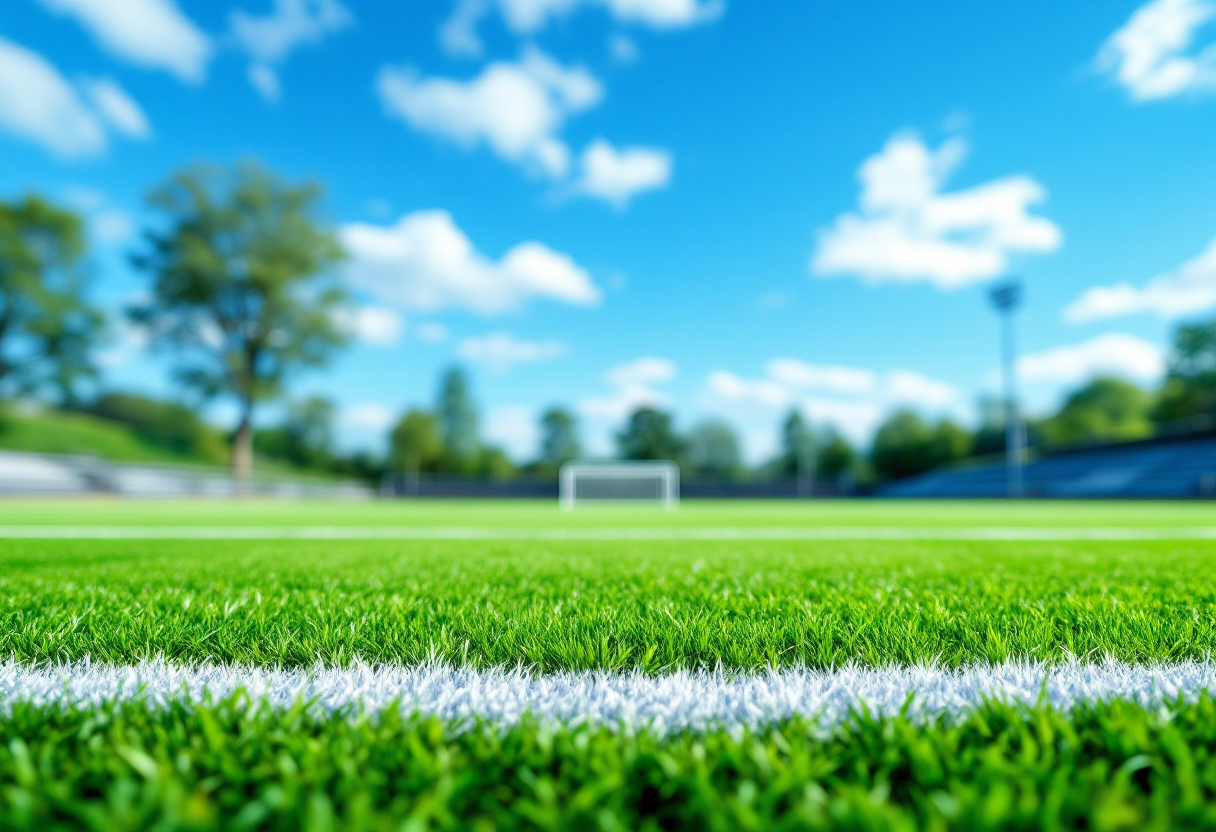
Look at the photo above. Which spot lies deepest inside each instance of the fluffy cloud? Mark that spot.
(1114, 354)
(108, 225)
(633, 387)
(1152, 57)
(458, 35)
(795, 373)
(118, 108)
(150, 33)
(514, 429)
(516, 109)
(367, 416)
(641, 372)
(425, 262)
(501, 351)
(616, 176)
(1189, 288)
(432, 332)
(907, 387)
(269, 39)
(850, 398)
(38, 104)
(373, 325)
(527, 16)
(908, 230)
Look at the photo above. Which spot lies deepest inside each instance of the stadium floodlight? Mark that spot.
(1006, 298)
(600, 482)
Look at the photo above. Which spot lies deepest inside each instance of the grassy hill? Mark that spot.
(56, 432)
(53, 432)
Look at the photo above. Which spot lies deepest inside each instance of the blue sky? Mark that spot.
(726, 208)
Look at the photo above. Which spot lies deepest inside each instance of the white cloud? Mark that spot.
(633, 387)
(857, 420)
(907, 230)
(616, 176)
(1152, 57)
(107, 224)
(432, 332)
(641, 371)
(367, 416)
(514, 429)
(424, 261)
(458, 35)
(126, 340)
(517, 109)
(149, 33)
(266, 81)
(851, 399)
(907, 387)
(111, 226)
(623, 50)
(269, 39)
(1114, 354)
(373, 325)
(726, 385)
(1189, 288)
(39, 105)
(793, 372)
(527, 16)
(501, 351)
(117, 108)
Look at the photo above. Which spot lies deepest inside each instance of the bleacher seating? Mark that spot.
(1173, 468)
(30, 474)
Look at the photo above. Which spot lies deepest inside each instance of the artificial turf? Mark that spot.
(606, 604)
(651, 605)
(545, 514)
(239, 765)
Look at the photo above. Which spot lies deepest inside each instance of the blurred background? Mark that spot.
(311, 247)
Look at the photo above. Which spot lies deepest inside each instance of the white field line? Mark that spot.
(624, 533)
(674, 701)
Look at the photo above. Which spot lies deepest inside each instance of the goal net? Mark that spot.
(582, 483)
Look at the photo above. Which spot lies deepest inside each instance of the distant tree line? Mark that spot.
(243, 294)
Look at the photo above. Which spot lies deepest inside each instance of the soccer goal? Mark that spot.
(582, 483)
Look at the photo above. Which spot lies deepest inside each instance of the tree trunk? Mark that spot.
(242, 447)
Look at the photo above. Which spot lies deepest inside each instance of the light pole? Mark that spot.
(1006, 298)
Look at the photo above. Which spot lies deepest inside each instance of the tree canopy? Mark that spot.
(559, 442)
(649, 435)
(243, 285)
(47, 326)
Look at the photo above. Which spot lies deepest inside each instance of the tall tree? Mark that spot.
(712, 448)
(305, 436)
(417, 443)
(458, 421)
(558, 437)
(905, 445)
(47, 327)
(798, 450)
(1105, 409)
(836, 457)
(244, 286)
(1190, 387)
(649, 435)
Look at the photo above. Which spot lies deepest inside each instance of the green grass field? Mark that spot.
(654, 606)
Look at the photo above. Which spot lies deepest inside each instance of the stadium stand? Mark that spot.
(28, 474)
(1153, 468)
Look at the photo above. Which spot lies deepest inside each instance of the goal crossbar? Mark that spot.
(619, 481)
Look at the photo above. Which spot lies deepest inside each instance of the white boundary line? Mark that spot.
(16, 532)
(695, 700)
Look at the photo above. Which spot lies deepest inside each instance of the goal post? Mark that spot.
(607, 482)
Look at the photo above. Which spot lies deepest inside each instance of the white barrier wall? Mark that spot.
(45, 475)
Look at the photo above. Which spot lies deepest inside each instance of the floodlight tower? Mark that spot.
(1006, 298)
